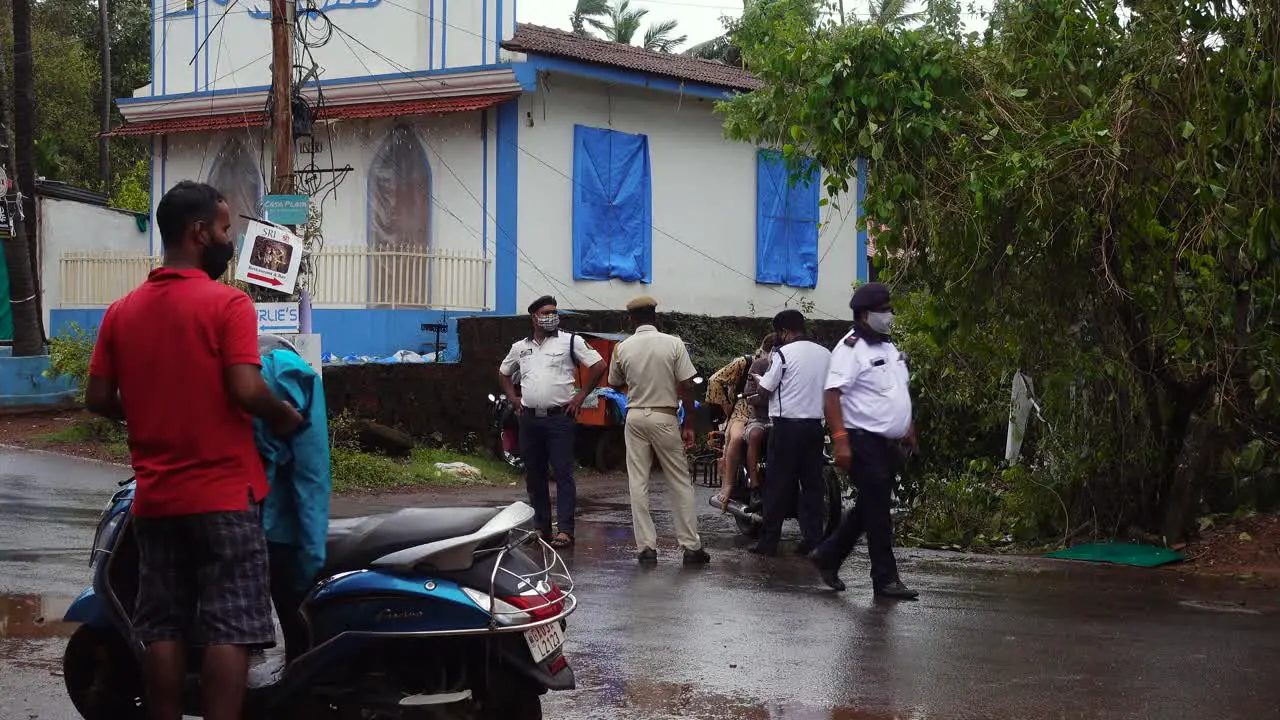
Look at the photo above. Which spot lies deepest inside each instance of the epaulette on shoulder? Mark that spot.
(851, 340)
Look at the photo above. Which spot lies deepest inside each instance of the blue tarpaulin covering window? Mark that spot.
(786, 223)
(612, 206)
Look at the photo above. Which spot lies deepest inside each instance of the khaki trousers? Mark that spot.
(651, 434)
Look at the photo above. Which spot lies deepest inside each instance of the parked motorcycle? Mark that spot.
(504, 427)
(421, 613)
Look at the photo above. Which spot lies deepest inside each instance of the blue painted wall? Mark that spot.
(375, 332)
(23, 384)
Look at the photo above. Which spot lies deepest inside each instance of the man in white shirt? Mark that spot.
(868, 408)
(546, 363)
(794, 384)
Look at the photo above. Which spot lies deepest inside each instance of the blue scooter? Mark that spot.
(421, 613)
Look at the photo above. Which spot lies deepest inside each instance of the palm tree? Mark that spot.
(585, 12)
(623, 23)
(659, 37)
(892, 13)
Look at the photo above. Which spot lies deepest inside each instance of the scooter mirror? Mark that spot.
(492, 398)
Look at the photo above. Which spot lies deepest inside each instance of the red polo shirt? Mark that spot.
(166, 345)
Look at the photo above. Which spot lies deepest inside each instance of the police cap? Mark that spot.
(869, 297)
(644, 301)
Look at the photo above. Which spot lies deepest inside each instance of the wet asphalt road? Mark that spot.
(755, 638)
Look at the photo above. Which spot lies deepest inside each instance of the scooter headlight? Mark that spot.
(106, 531)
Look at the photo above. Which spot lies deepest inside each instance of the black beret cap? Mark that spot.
(869, 297)
(540, 303)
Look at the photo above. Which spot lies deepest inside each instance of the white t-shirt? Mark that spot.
(546, 371)
(795, 380)
(874, 387)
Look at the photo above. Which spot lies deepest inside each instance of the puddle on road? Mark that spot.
(34, 617)
(641, 699)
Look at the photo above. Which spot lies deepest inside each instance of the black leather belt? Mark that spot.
(547, 412)
(797, 421)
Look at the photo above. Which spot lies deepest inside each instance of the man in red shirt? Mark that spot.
(177, 359)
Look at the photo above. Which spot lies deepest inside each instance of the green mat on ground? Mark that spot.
(1119, 554)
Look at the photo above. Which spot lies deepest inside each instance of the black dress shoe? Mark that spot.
(696, 557)
(829, 575)
(648, 556)
(897, 591)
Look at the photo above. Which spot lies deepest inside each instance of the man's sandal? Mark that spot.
(562, 540)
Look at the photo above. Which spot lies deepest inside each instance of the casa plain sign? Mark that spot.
(286, 209)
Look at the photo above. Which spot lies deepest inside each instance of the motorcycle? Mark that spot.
(504, 425)
(420, 613)
(747, 506)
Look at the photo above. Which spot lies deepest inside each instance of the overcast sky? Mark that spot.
(699, 19)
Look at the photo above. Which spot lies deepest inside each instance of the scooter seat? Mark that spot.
(353, 543)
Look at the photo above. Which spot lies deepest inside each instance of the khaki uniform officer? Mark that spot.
(656, 367)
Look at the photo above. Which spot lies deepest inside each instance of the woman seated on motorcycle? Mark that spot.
(727, 388)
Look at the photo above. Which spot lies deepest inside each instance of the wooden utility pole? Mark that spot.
(28, 336)
(104, 157)
(24, 131)
(282, 95)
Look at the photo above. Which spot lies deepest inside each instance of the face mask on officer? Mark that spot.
(881, 322)
(548, 323)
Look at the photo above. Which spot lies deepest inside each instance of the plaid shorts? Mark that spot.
(203, 579)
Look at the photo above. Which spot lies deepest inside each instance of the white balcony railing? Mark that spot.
(341, 277)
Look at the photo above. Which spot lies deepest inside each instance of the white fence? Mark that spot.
(342, 276)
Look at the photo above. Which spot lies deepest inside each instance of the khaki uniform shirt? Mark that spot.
(651, 364)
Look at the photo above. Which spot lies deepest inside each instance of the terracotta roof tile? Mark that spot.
(540, 40)
(211, 123)
(204, 123)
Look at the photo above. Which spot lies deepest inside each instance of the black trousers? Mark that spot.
(548, 441)
(874, 459)
(287, 595)
(794, 463)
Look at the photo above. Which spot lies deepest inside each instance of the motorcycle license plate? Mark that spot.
(544, 640)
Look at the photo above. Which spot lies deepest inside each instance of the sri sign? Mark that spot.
(269, 257)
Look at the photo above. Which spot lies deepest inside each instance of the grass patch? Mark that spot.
(354, 471)
(108, 436)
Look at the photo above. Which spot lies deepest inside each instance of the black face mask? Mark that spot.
(215, 258)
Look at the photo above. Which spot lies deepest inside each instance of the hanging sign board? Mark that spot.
(286, 209)
(269, 257)
(277, 318)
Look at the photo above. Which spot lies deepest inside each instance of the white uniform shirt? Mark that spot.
(873, 383)
(546, 371)
(795, 380)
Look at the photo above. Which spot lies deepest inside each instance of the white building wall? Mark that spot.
(67, 225)
(457, 150)
(222, 45)
(704, 208)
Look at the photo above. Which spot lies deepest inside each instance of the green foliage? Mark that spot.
(132, 191)
(94, 430)
(1093, 201)
(68, 87)
(69, 356)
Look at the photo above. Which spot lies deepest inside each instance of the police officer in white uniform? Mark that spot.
(546, 363)
(868, 408)
(793, 383)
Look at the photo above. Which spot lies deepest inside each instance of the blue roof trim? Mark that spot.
(623, 77)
